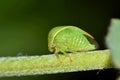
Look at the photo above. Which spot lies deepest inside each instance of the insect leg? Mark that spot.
(81, 51)
(56, 54)
(67, 55)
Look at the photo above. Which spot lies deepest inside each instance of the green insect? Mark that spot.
(66, 39)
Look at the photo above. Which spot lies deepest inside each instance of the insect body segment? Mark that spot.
(69, 39)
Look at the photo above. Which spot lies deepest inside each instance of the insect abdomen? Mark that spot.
(79, 43)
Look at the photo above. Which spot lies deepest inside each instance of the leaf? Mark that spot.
(113, 40)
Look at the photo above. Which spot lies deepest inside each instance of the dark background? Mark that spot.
(24, 25)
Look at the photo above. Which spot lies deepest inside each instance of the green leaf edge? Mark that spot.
(48, 64)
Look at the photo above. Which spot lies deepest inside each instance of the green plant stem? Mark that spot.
(48, 64)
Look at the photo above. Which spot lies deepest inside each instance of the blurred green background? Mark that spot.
(24, 24)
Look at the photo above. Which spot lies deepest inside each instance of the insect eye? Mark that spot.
(52, 45)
